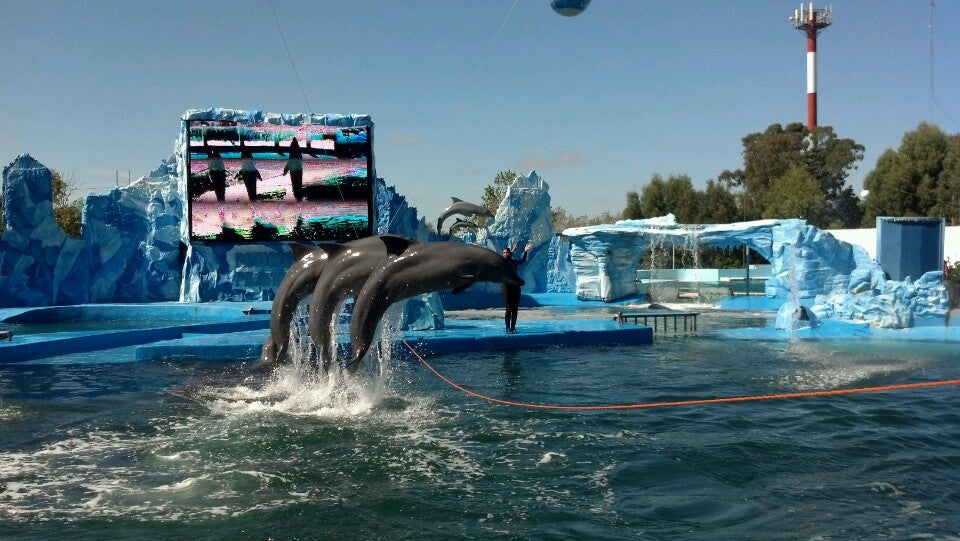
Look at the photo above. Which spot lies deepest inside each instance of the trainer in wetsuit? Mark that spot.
(510, 292)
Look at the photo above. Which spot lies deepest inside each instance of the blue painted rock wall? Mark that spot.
(808, 266)
(40, 265)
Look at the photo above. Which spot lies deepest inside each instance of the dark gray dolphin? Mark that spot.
(462, 207)
(345, 273)
(422, 268)
(308, 264)
(462, 224)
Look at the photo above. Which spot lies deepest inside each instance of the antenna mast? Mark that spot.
(811, 22)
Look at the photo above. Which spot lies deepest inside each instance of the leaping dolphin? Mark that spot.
(462, 224)
(462, 207)
(344, 275)
(308, 264)
(422, 268)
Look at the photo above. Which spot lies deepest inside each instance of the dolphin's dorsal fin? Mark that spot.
(300, 250)
(396, 244)
(330, 248)
(457, 200)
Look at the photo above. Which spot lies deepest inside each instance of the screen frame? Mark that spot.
(335, 141)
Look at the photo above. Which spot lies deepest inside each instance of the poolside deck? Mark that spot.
(240, 337)
(457, 336)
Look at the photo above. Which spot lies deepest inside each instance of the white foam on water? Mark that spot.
(600, 481)
(288, 392)
(820, 367)
(162, 472)
(302, 388)
(548, 458)
(9, 413)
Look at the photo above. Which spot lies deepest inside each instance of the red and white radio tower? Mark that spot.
(811, 21)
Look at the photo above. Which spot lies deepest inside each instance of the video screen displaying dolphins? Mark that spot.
(263, 181)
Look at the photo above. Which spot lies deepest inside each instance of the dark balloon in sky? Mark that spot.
(569, 8)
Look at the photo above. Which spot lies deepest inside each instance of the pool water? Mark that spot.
(178, 448)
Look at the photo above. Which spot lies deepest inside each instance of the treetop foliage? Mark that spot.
(790, 172)
(787, 172)
(920, 178)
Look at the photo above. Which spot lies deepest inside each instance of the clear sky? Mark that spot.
(459, 90)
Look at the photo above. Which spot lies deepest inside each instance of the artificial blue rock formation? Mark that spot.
(890, 304)
(395, 216)
(524, 217)
(40, 265)
(808, 266)
(560, 275)
(133, 236)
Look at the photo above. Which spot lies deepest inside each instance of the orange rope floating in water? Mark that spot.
(650, 405)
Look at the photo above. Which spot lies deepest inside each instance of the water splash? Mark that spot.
(656, 260)
(303, 388)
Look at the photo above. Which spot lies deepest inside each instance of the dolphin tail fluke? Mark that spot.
(354, 363)
(268, 351)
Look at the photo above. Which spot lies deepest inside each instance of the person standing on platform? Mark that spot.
(248, 171)
(294, 166)
(218, 174)
(511, 293)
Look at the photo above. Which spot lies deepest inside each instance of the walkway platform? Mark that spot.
(457, 336)
(235, 333)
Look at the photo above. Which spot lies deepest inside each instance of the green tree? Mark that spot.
(67, 209)
(563, 220)
(766, 157)
(779, 151)
(846, 210)
(918, 179)
(672, 196)
(830, 159)
(718, 205)
(890, 193)
(948, 200)
(493, 193)
(633, 210)
(795, 194)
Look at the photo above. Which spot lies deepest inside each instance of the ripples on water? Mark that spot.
(180, 448)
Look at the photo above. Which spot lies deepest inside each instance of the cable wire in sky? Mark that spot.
(290, 56)
(496, 37)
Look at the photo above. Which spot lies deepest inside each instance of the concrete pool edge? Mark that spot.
(458, 336)
(235, 331)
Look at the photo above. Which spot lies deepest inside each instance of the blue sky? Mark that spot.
(597, 103)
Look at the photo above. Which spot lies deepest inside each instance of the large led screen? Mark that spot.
(263, 181)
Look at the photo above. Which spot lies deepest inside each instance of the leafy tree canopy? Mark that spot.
(779, 151)
(920, 178)
(493, 193)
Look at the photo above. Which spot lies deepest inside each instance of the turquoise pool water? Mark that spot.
(183, 449)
